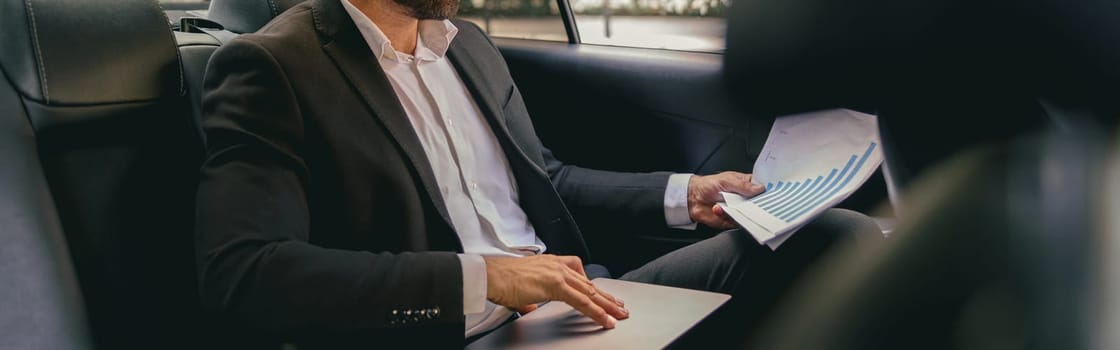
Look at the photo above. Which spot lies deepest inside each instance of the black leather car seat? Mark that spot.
(99, 147)
(226, 19)
(42, 306)
(943, 76)
(195, 50)
(1002, 243)
(1006, 248)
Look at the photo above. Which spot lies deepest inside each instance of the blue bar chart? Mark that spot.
(810, 163)
(800, 197)
(787, 204)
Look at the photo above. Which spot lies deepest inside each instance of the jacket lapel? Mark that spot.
(544, 207)
(348, 50)
(474, 77)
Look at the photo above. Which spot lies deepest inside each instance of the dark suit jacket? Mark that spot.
(319, 217)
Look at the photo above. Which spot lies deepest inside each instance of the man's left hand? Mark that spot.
(703, 194)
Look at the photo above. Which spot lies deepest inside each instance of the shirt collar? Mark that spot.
(433, 39)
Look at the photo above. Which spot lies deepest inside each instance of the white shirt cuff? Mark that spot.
(474, 283)
(676, 202)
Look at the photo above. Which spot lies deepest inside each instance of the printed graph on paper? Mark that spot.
(810, 163)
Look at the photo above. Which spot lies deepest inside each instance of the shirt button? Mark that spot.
(474, 185)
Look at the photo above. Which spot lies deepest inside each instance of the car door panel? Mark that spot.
(631, 109)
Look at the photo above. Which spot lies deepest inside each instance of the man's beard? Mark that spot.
(431, 9)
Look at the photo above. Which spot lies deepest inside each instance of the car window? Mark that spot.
(690, 25)
(523, 19)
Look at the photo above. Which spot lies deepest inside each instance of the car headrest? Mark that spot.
(80, 52)
(829, 53)
(246, 16)
(820, 53)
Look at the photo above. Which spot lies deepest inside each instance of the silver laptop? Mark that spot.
(658, 315)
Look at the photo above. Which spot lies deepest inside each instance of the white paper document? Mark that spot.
(810, 163)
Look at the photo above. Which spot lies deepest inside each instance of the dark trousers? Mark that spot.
(733, 262)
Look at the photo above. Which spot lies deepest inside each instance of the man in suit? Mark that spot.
(373, 175)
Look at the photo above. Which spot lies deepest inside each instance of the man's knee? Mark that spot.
(843, 223)
(732, 242)
(732, 250)
(830, 228)
(711, 264)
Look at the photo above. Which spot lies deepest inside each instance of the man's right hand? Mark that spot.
(516, 282)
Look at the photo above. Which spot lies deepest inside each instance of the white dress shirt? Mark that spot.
(470, 167)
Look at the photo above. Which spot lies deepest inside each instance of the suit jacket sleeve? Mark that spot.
(253, 222)
(630, 196)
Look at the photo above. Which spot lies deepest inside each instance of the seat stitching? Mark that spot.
(38, 51)
(178, 55)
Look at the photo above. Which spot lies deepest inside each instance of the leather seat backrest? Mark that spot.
(40, 297)
(195, 50)
(943, 75)
(97, 102)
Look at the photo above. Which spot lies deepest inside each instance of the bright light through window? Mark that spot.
(691, 25)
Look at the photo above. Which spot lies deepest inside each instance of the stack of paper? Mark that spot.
(810, 163)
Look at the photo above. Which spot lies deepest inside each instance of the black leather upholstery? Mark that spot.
(195, 50)
(69, 52)
(996, 239)
(99, 147)
(1000, 253)
(246, 16)
(40, 297)
(942, 75)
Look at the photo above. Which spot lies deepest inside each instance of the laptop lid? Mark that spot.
(658, 316)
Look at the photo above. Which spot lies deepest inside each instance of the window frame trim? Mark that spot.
(569, 18)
